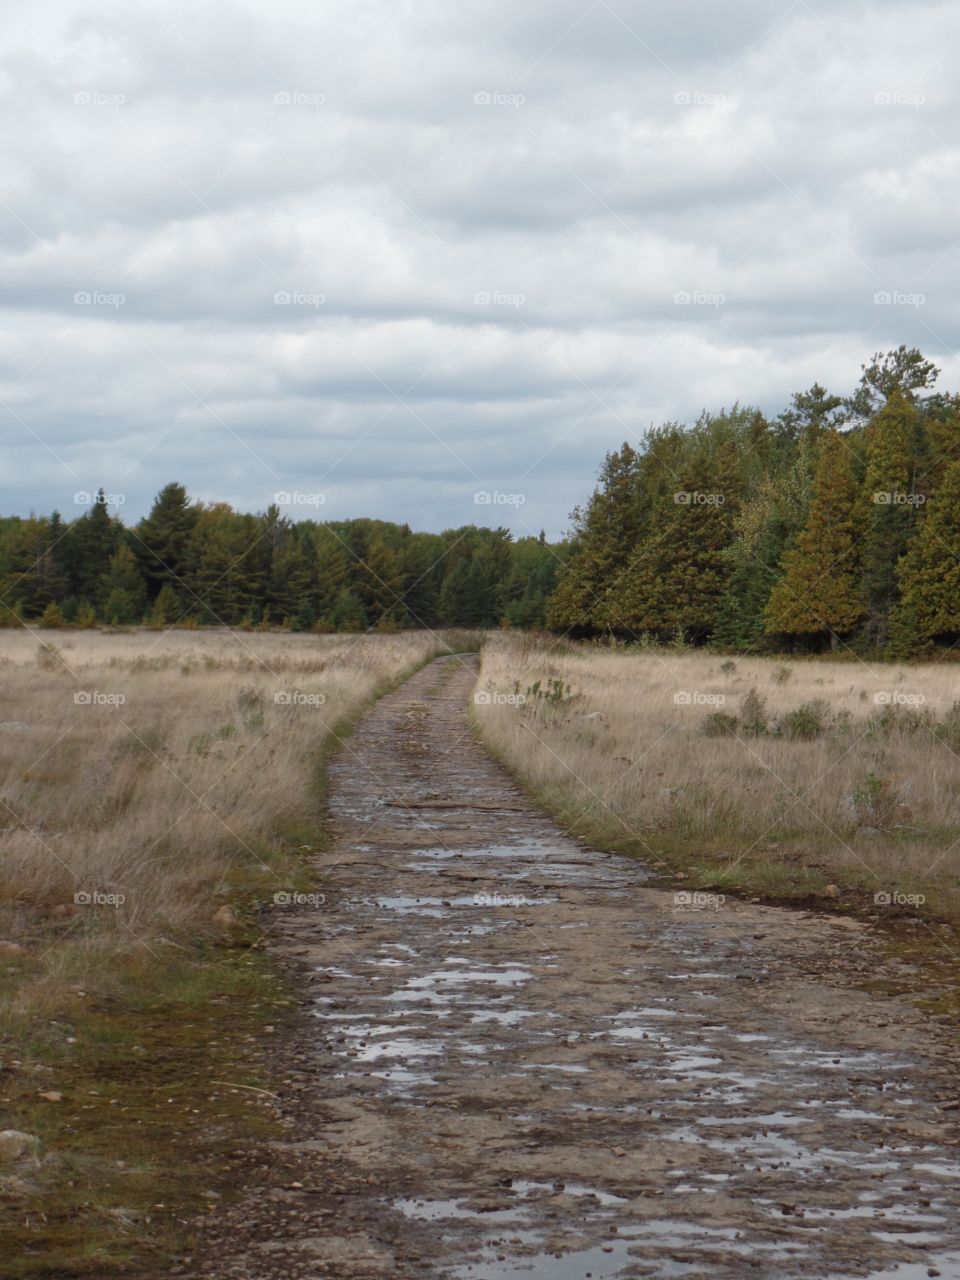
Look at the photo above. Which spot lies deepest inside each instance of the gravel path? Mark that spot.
(521, 1061)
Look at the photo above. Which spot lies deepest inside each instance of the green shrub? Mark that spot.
(807, 721)
(753, 714)
(720, 724)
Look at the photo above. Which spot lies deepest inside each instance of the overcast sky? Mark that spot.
(382, 257)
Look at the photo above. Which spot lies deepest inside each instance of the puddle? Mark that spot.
(523, 1186)
(437, 1210)
(602, 1263)
(400, 1049)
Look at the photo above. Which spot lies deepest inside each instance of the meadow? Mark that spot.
(789, 777)
(160, 793)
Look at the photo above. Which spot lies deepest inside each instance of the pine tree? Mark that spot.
(163, 540)
(347, 612)
(606, 533)
(675, 580)
(88, 549)
(167, 609)
(378, 582)
(885, 511)
(330, 571)
(819, 590)
(929, 573)
(123, 589)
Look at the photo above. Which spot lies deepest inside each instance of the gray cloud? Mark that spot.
(399, 255)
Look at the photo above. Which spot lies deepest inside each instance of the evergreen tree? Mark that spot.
(167, 609)
(886, 509)
(905, 370)
(676, 578)
(332, 577)
(123, 589)
(347, 613)
(819, 591)
(163, 540)
(929, 573)
(605, 534)
(89, 547)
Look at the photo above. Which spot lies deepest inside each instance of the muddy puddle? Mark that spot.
(522, 1061)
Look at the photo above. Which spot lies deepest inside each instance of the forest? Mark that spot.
(835, 524)
(187, 563)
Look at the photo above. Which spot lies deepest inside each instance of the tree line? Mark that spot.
(190, 563)
(836, 523)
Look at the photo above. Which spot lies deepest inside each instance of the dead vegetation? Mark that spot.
(781, 777)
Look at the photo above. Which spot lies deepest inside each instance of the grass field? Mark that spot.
(156, 792)
(787, 777)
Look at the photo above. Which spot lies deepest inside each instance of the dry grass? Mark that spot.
(842, 772)
(180, 783)
(126, 828)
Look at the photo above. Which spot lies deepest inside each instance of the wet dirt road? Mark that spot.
(523, 1062)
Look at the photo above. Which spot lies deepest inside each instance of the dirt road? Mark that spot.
(522, 1062)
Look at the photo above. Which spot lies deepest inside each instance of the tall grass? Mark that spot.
(148, 781)
(778, 774)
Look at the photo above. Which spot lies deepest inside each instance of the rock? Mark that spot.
(64, 909)
(14, 1145)
(12, 949)
(868, 831)
(51, 1095)
(831, 891)
(12, 726)
(224, 917)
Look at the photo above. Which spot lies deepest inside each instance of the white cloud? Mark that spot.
(481, 218)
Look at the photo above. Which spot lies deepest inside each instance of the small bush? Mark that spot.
(753, 714)
(781, 675)
(49, 657)
(807, 721)
(898, 719)
(728, 667)
(877, 802)
(948, 729)
(720, 724)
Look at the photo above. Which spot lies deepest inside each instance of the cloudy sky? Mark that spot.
(390, 255)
